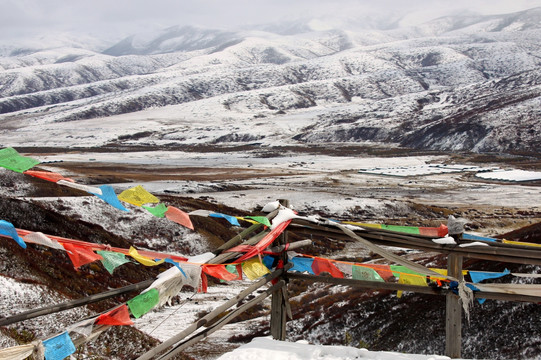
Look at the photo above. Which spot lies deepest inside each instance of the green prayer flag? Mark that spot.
(158, 211)
(402, 229)
(400, 269)
(111, 260)
(12, 160)
(260, 219)
(365, 273)
(143, 303)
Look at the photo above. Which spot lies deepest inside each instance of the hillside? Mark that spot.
(462, 83)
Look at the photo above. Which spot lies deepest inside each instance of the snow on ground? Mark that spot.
(511, 175)
(418, 170)
(268, 349)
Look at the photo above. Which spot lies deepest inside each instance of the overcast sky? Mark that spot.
(119, 18)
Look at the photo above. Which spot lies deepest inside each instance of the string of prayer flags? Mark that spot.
(302, 264)
(365, 273)
(158, 210)
(42, 239)
(478, 276)
(138, 196)
(12, 160)
(254, 269)
(231, 219)
(219, 272)
(143, 259)
(260, 219)
(7, 229)
(116, 317)
(321, 265)
(111, 260)
(144, 302)
(58, 347)
(179, 216)
(86, 188)
(80, 255)
(47, 175)
(109, 196)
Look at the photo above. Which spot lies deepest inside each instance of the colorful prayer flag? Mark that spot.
(116, 317)
(231, 219)
(219, 272)
(143, 303)
(260, 219)
(47, 175)
(321, 265)
(302, 264)
(80, 255)
(254, 269)
(179, 216)
(365, 273)
(111, 260)
(7, 229)
(143, 259)
(12, 160)
(138, 196)
(158, 210)
(58, 347)
(109, 196)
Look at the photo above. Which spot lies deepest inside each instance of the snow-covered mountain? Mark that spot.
(455, 83)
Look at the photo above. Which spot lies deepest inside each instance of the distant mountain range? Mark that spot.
(458, 83)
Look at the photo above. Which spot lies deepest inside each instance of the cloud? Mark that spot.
(119, 18)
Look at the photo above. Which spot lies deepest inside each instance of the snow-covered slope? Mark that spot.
(455, 83)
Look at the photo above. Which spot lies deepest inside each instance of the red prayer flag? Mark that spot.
(47, 175)
(323, 265)
(204, 283)
(440, 231)
(80, 255)
(266, 241)
(179, 216)
(118, 316)
(219, 271)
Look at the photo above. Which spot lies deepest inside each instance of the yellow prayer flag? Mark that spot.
(365, 225)
(247, 220)
(411, 279)
(143, 259)
(254, 269)
(520, 243)
(138, 196)
(444, 273)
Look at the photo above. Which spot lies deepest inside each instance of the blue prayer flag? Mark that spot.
(109, 196)
(58, 347)
(7, 228)
(301, 264)
(232, 220)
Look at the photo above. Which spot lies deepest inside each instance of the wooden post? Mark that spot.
(453, 311)
(278, 302)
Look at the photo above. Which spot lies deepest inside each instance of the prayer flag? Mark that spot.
(138, 196)
(7, 229)
(117, 316)
(47, 175)
(302, 264)
(478, 276)
(365, 273)
(411, 279)
(268, 261)
(143, 303)
(158, 211)
(12, 160)
(42, 239)
(179, 216)
(143, 259)
(111, 260)
(58, 347)
(383, 270)
(17, 352)
(254, 269)
(236, 270)
(260, 219)
(109, 196)
(231, 219)
(86, 188)
(219, 272)
(171, 261)
(80, 255)
(321, 265)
